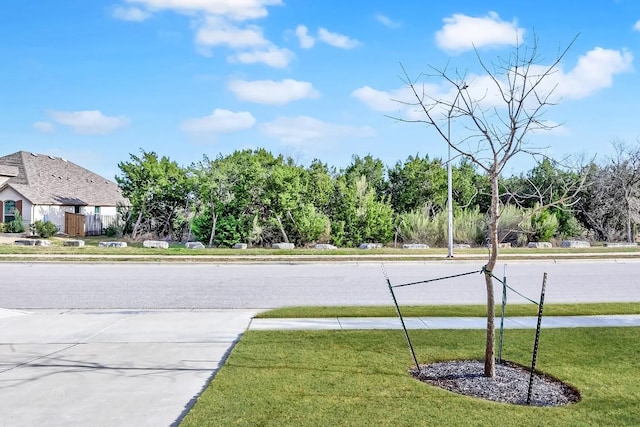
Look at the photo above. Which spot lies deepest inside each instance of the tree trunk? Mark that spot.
(213, 227)
(136, 226)
(489, 355)
(629, 232)
(284, 234)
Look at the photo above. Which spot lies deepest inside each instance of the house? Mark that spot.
(44, 187)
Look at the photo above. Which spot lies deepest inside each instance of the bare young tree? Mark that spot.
(496, 117)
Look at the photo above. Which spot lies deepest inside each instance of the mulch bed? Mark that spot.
(510, 384)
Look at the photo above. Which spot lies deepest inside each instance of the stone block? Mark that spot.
(370, 245)
(415, 246)
(283, 246)
(32, 242)
(506, 245)
(575, 244)
(324, 246)
(156, 244)
(240, 246)
(76, 243)
(112, 244)
(620, 245)
(540, 245)
(25, 242)
(461, 246)
(194, 245)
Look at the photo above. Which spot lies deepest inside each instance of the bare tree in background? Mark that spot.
(496, 117)
(624, 169)
(611, 206)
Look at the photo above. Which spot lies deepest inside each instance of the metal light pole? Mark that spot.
(450, 199)
(450, 176)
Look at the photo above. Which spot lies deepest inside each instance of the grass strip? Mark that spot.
(512, 310)
(359, 378)
(136, 248)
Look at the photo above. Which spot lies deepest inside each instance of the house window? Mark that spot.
(76, 209)
(9, 210)
(96, 210)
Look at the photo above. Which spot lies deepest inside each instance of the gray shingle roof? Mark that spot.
(48, 180)
(8, 170)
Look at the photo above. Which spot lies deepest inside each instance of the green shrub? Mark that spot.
(514, 225)
(44, 229)
(3, 227)
(421, 227)
(568, 225)
(312, 226)
(113, 230)
(469, 226)
(544, 225)
(16, 226)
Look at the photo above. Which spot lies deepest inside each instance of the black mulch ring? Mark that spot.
(510, 384)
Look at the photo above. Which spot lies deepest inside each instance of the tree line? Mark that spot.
(258, 198)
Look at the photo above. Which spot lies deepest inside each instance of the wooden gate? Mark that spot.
(74, 224)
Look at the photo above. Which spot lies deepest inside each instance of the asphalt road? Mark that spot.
(207, 286)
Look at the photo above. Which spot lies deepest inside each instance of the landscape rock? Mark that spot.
(461, 246)
(370, 245)
(324, 246)
(76, 243)
(620, 245)
(504, 245)
(540, 245)
(575, 244)
(156, 244)
(240, 246)
(112, 244)
(25, 242)
(33, 242)
(283, 246)
(415, 246)
(194, 245)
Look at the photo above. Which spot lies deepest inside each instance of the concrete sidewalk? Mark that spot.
(346, 323)
(109, 367)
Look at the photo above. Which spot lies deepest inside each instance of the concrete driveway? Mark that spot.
(109, 367)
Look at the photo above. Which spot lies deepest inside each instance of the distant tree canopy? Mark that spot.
(255, 197)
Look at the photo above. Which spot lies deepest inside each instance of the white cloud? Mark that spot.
(337, 40)
(384, 101)
(303, 129)
(44, 127)
(594, 71)
(272, 92)
(216, 24)
(462, 32)
(220, 121)
(273, 56)
(386, 21)
(134, 14)
(216, 31)
(306, 41)
(637, 26)
(239, 10)
(89, 122)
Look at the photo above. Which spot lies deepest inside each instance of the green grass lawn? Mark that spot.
(360, 378)
(511, 310)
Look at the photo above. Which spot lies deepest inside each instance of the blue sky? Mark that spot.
(93, 81)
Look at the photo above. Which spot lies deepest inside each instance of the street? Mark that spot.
(210, 286)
